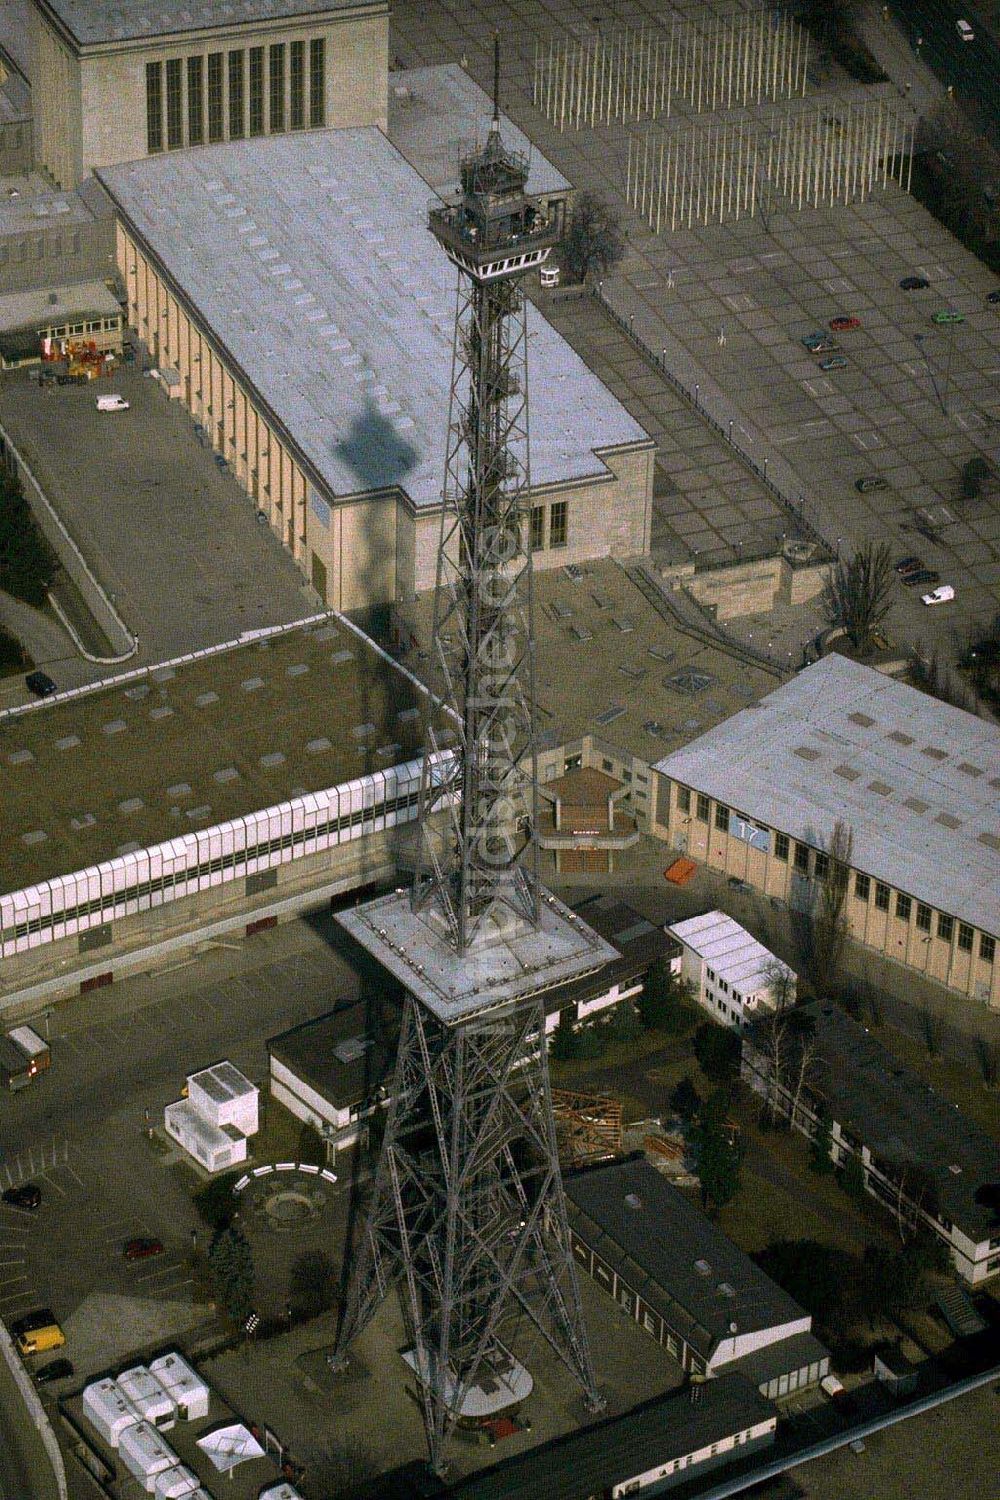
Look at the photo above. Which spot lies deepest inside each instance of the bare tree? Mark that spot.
(829, 933)
(781, 983)
(858, 594)
(595, 239)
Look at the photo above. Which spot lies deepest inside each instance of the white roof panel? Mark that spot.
(732, 952)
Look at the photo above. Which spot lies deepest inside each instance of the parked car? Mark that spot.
(942, 595)
(40, 1318)
(965, 31)
(844, 325)
(141, 1248)
(948, 317)
(836, 362)
(914, 283)
(993, 297)
(926, 576)
(27, 1196)
(820, 343)
(909, 564)
(56, 1369)
(112, 402)
(871, 482)
(40, 683)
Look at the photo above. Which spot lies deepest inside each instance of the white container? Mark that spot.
(223, 1096)
(216, 1148)
(145, 1454)
(108, 1410)
(147, 1395)
(187, 1390)
(280, 1491)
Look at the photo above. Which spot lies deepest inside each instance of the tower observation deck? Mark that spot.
(467, 1214)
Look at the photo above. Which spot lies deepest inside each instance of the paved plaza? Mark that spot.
(727, 306)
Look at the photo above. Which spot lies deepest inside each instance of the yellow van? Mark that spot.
(41, 1340)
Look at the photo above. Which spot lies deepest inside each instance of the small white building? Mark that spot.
(734, 977)
(145, 1454)
(216, 1149)
(280, 1491)
(186, 1389)
(108, 1410)
(180, 1483)
(224, 1097)
(153, 1403)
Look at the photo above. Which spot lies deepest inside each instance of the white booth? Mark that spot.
(186, 1389)
(153, 1403)
(108, 1410)
(176, 1484)
(145, 1454)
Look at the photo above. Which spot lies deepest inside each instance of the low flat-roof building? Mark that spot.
(292, 284)
(922, 1158)
(731, 974)
(114, 82)
(225, 788)
(86, 312)
(682, 1280)
(915, 781)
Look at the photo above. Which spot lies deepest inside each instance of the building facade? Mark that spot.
(109, 85)
(912, 783)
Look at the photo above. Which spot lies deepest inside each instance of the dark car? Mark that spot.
(993, 297)
(870, 482)
(40, 1318)
(27, 1196)
(921, 575)
(909, 565)
(40, 683)
(141, 1248)
(56, 1369)
(914, 283)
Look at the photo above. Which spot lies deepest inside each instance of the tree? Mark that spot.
(718, 1051)
(685, 1100)
(311, 1284)
(829, 924)
(665, 1002)
(975, 473)
(595, 239)
(28, 564)
(231, 1262)
(821, 1145)
(718, 1164)
(564, 1039)
(781, 984)
(816, 1275)
(623, 1024)
(216, 1201)
(858, 595)
(852, 1178)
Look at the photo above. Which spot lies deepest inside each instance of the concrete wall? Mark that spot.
(870, 923)
(751, 588)
(50, 253)
(90, 105)
(15, 148)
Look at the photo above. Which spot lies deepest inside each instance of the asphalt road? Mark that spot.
(973, 68)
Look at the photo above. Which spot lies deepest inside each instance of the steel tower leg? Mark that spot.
(467, 1212)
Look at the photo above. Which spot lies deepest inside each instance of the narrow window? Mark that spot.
(175, 104)
(881, 896)
(559, 524)
(702, 810)
(923, 917)
(297, 85)
(987, 948)
(154, 106)
(683, 799)
(862, 887)
(256, 82)
(965, 937)
(196, 102)
(903, 905)
(781, 847)
(722, 817)
(802, 858)
(317, 81)
(216, 127)
(822, 866)
(946, 927)
(276, 114)
(537, 528)
(235, 95)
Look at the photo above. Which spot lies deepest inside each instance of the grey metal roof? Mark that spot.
(310, 259)
(734, 954)
(666, 1237)
(39, 206)
(438, 114)
(902, 1119)
(57, 305)
(94, 21)
(917, 781)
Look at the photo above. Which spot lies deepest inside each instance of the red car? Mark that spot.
(140, 1249)
(844, 325)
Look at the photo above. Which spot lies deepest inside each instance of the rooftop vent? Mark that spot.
(964, 765)
(933, 753)
(703, 1268)
(632, 1200)
(880, 788)
(724, 1289)
(863, 719)
(947, 821)
(847, 772)
(901, 738)
(806, 752)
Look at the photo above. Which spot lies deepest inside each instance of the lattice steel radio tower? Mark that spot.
(467, 1212)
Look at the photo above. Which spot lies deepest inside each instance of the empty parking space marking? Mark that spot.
(818, 387)
(176, 1286)
(13, 1281)
(866, 440)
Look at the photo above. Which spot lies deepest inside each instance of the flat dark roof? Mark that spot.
(901, 1119)
(683, 1265)
(310, 1052)
(91, 22)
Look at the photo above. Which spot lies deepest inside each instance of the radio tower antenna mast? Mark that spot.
(467, 1214)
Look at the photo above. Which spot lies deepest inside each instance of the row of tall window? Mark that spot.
(221, 96)
(558, 529)
(815, 864)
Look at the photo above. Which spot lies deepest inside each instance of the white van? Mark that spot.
(112, 403)
(965, 31)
